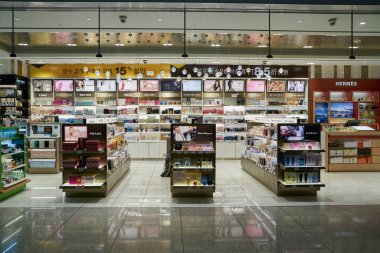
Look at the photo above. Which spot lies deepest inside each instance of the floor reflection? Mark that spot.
(247, 229)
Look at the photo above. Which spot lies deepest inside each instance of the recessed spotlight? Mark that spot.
(363, 22)
(354, 47)
(308, 46)
(216, 62)
(119, 44)
(278, 34)
(299, 21)
(71, 45)
(1, 64)
(262, 46)
(17, 19)
(215, 45)
(40, 62)
(159, 20)
(230, 20)
(88, 19)
(310, 63)
(23, 44)
(167, 44)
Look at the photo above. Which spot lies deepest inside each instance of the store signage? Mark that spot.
(44, 95)
(276, 95)
(255, 95)
(63, 95)
(132, 70)
(344, 83)
(135, 94)
(150, 94)
(295, 95)
(84, 94)
(8, 133)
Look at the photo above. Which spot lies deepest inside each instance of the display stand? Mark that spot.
(12, 162)
(352, 151)
(286, 158)
(193, 160)
(94, 158)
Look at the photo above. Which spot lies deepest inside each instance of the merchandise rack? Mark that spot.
(287, 165)
(12, 162)
(352, 151)
(44, 158)
(110, 154)
(193, 160)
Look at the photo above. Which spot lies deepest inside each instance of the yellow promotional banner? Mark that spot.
(90, 70)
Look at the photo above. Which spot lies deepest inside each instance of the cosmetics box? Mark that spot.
(290, 177)
(93, 145)
(313, 177)
(89, 179)
(42, 153)
(75, 179)
(42, 163)
(70, 163)
(69, 146)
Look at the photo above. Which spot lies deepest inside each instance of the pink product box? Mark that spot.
(75, 179)
(69, 146)
(93, 145)
(42, 153)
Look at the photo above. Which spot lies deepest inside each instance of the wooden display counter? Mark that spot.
(352, 151)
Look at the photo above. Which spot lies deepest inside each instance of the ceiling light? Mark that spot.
(88, 19)
(354, 47)
(71, 45)
(1, 64)
(299, 21)
(167, 44)
(310, 63)
(308, 46)
(262, 46)
(278, 34)
(159, 20)
(215, 45)
(119, 44)
(216, 62)
(17, 19)
(230, 20)
(23, 44)
(363, 22)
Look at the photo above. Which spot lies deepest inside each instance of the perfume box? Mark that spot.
(42, 153)
(75, 179)
(290, 177)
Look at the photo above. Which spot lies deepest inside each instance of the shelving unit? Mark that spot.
(352, 151)
(44, 155)
(94, 158)
(193, 159)
(14, 101)
(12, 162)
(286, 158)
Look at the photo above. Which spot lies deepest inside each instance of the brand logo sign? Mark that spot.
(8, 133)
(349, 83)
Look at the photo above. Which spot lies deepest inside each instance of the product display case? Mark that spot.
(12, 162)
(192, 159)
(14, 100)
(286, 158)
(94, 158)
(352, 151)
(44, 154)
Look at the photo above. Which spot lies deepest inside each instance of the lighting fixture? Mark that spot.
(13, 54)
(352, 56)
(215, 45)
(230, 20)
(99, 55)
(354, 47)
(167, 44)
(308, 46)
(299, 21)
(16, 19)
(119, 44)
(23, 44)
(363, 23)
(88, 19)
(216, 62)
(278, 34)
(262, 46)
(184, 55)
(71, 45)
(310, 63)
(269, 55)
(159, 20)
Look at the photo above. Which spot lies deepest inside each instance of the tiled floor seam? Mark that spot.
(55, 231)
(118, 230)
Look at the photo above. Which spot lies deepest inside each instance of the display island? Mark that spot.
(286, 158)
(94, 158)
(192, 159)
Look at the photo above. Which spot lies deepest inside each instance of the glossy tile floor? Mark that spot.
(140, 216)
